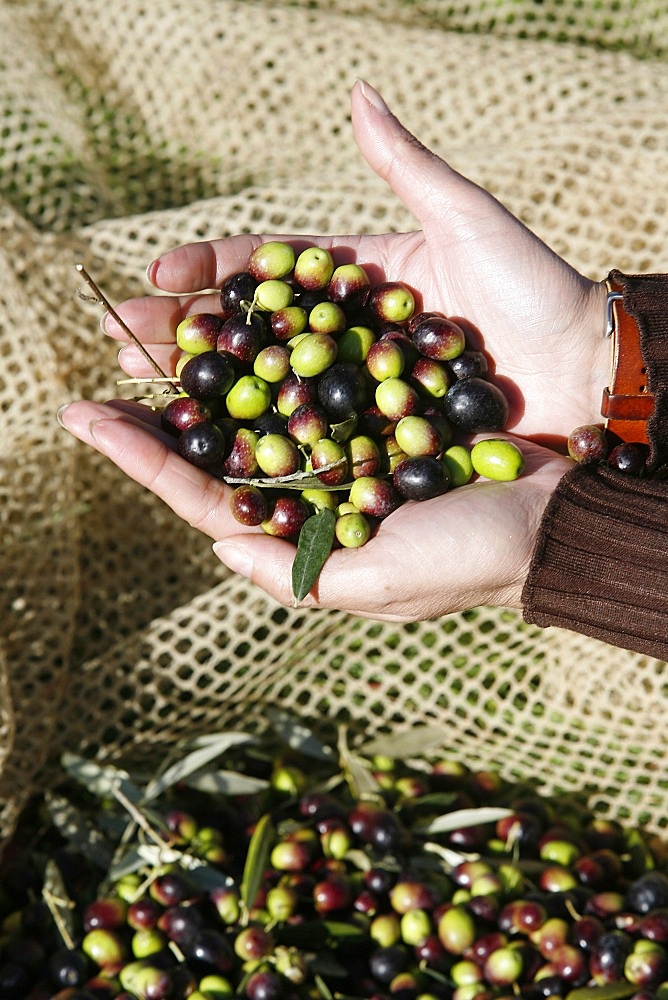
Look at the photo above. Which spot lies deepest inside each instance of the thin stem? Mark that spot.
(99, 297)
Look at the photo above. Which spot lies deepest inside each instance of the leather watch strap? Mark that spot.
(627, 403)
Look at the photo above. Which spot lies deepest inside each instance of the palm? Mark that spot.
(467, 548)
(497, 282)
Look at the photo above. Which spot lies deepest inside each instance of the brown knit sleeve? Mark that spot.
(600, 564)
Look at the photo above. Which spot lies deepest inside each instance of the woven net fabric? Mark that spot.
(129, 128)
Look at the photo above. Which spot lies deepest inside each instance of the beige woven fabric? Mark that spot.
(131, 127)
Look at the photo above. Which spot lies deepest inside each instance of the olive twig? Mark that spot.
(99, 297)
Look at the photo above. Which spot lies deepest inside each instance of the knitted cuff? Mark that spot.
(599, 566)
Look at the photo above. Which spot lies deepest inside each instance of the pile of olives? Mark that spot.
(310, 389)
(435, 883)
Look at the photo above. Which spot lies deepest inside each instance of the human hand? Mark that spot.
(538, 318)
(467, 548)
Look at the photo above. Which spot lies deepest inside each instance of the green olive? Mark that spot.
(497, 459)
(458, 460)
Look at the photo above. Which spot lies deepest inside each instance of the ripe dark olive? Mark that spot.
(236, 289)
(241, 338)
(264, 985)
(648, 892)
(212, 949)
(184, 412)
(587, 443)
(68, 967)
(208, 374)
(469, 364)
(421, 478)
(474, 404)
(386, 963)
(342, 391)
(627, 458)
(249, 505)
(202, 445)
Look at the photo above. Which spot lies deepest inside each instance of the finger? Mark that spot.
(265, 561)
(134, 364)
(154, 318)
(196, 266)
(143, 414)
(429, 188)
(145, 455)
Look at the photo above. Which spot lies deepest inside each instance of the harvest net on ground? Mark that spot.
(127, 129)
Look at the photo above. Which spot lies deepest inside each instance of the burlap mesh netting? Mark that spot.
(131, 127)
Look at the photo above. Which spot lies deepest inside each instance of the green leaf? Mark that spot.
(297, 735)
(465, 817)
(208, 878)
(128, 863)
(258, 852)
(313, 547)
(357, 770)
(78, 830)
(412, 742)
(100, 781)
(223, 740)
(323, 988)
(320, 934)
(187, 765)
(226, 783)
(432, 802)
(611, 991)
(342, 431)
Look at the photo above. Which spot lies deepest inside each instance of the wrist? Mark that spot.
(600, 357)
(533, 493)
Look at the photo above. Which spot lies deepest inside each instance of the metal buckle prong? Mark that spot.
(609, 315)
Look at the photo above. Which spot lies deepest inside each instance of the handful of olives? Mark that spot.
(318, 396)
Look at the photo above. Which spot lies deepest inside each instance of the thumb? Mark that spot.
(428, 187)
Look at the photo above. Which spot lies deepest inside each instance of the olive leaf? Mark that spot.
(611, 991)
(342, 431)
(192, 762)
(126, 864)
(79, 831)
(313, 547)
(258, 852)
(322, 987)
(460, 818)
(295, 481)
(356, 769)
(226, 783)
(413, 741)
(293, 731)
(100, 781)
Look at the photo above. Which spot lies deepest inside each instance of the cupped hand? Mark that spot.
(468, 548)
(537, 318)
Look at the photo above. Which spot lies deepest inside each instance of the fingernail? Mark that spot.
(59, 414)
(235, 558)
(373, 97)
(152, 270)
(103, 320)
